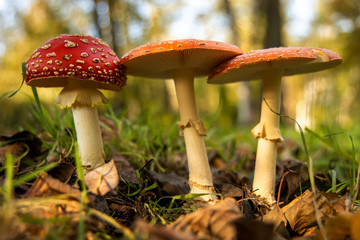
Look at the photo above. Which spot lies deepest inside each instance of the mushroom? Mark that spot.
(270, 65)
(81, 65)
(182, 60)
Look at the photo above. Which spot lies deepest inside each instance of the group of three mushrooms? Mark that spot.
(82, 64)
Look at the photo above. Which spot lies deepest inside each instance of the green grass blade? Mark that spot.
(5, 94)
(44, 115)
(23, 67)
(81, 175)
(352, 157)
(9, 174)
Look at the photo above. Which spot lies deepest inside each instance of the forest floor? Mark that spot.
(43, 197)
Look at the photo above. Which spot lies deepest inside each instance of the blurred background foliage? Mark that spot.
(328, 99)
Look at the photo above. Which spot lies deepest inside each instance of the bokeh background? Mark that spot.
(328, 99)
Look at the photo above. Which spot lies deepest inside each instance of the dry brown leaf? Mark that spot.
(37, 204)
(288, 184)
(226, 176)
(15, 149)
(338, 227)
(102, 179)
(355, 226)
(125, 170)
(39, 218)
(63, 171)
(277, 218)
(46, 185)
(49, 207)
(48, 197)
(171, 183)
(229, 190)
(300, 213)
(160, 233)
(19, 140)
(297, 166)
(221, 221)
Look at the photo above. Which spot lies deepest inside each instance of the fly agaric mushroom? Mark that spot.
(182, 60)
(81, 65)
(270, 65)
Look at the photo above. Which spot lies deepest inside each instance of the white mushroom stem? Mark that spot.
(83, 98)
(89, 137)
(193, 130)
(265, 165)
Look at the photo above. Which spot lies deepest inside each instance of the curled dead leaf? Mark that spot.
(300, 213)
(102, 179)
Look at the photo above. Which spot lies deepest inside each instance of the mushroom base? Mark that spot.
(200, 178)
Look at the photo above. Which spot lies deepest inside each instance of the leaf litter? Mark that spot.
(124, 200)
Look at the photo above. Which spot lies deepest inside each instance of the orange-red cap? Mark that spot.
(160, 59)
(292, 60)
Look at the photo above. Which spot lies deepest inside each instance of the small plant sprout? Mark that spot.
(81, 65)
(182, 60)
(270, 65)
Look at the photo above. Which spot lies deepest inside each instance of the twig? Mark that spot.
(280, 186)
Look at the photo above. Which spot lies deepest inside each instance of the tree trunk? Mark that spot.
(243, 91)
(273, 35)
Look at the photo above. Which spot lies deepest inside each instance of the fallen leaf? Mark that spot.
(338, 227)
(22, 144)
(126, 171)
(171, 183)
(300, 213)
(150, 232)
(63, 171)
(230, 177)
(277, 218)
(46, 185)
(102, 179)
(124, 214)
(355, 226)
(229, 190)
(221, 221)
(27, 138)
(288, 184)
(296, 166)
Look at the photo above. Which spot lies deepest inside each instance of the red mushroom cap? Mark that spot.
(160, 59)
(293, 60)
(81, 57)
